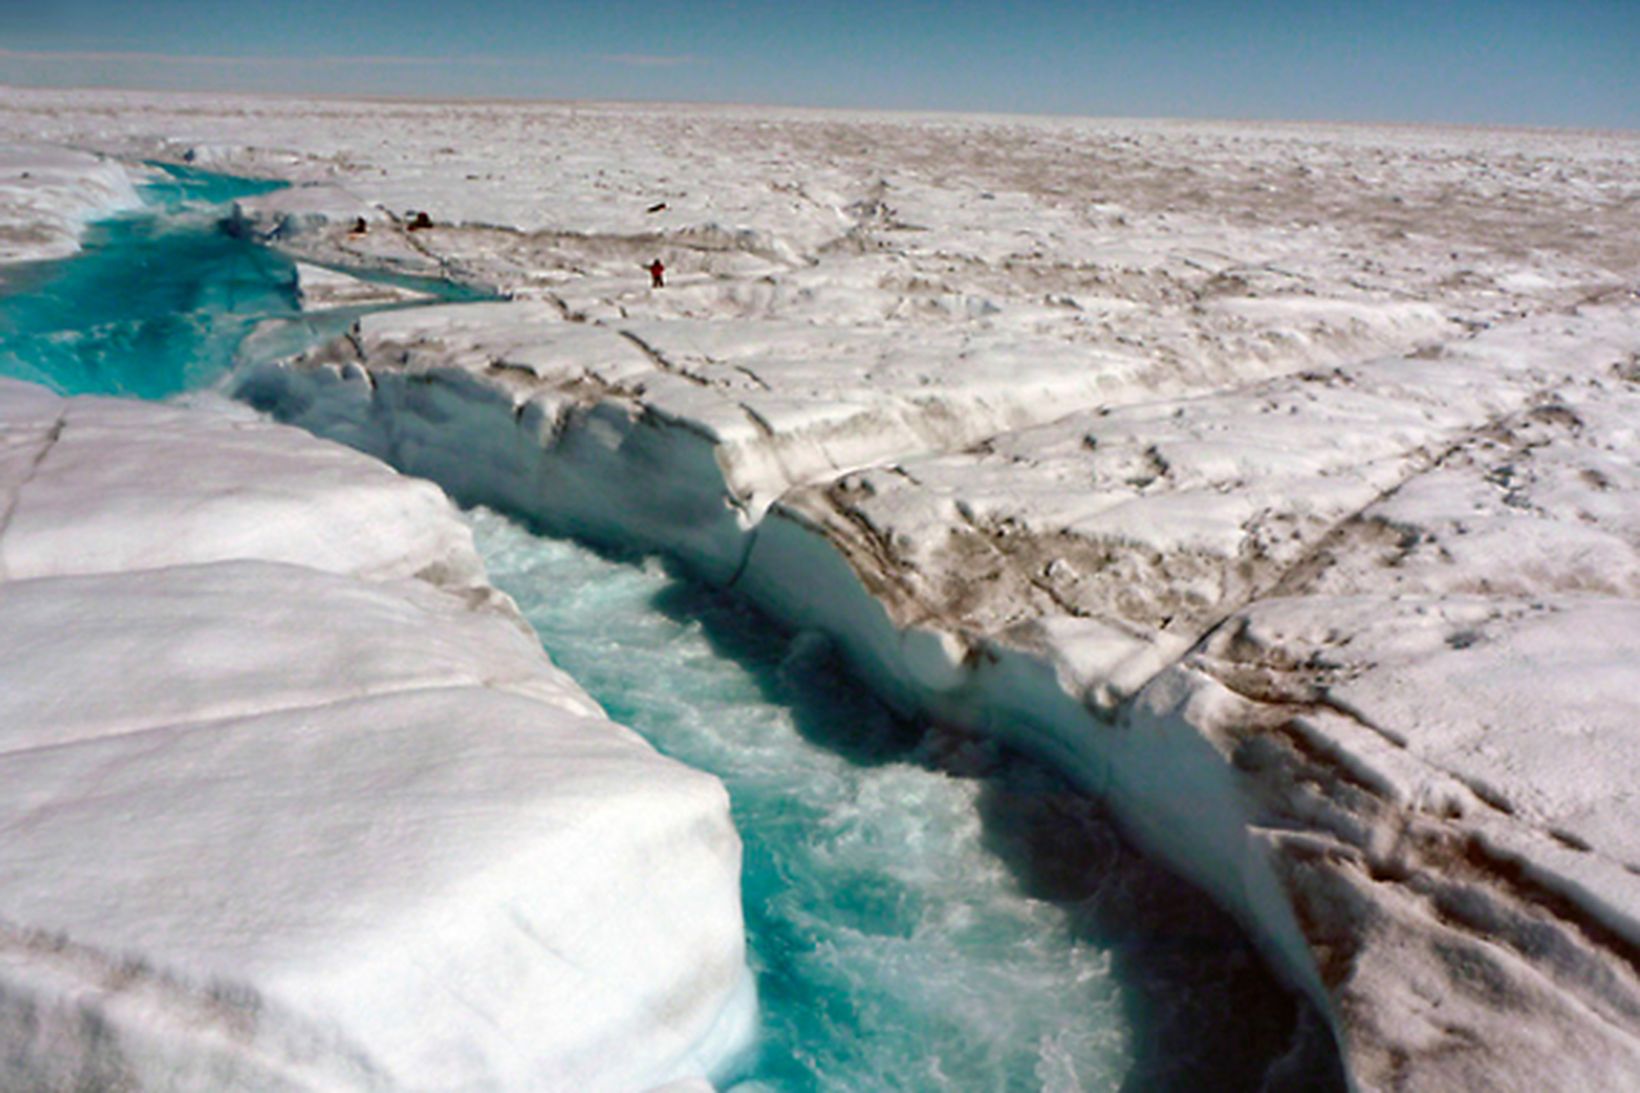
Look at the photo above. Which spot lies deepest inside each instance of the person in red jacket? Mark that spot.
(657, 273)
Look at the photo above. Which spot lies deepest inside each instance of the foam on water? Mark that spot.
(925, 912)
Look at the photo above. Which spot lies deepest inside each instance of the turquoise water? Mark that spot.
(924, 911)
(175, 186)
(159, 301)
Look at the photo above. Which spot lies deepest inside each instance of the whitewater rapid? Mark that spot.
(925, 910)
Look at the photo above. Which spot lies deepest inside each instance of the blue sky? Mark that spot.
(1532, 62)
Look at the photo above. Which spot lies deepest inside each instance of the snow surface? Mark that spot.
(1276, 481)
(48, 195)
(294, 799)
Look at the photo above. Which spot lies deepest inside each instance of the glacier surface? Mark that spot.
(294, 799)
(1275, 481)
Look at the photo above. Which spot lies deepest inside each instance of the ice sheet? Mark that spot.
(1052, 421)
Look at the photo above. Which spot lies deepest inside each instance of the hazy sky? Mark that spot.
(1543, 62)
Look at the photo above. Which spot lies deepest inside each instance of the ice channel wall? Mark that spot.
(620, 474)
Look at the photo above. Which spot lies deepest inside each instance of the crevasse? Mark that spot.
(620, 475)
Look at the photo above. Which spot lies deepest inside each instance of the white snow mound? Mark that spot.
(295, 801)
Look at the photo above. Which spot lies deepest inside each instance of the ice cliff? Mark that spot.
(1209, 609)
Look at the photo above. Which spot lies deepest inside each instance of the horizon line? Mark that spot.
(651, 60)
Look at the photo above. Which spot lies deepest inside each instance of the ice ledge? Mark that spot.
(295, 801)
(1399, 739)
(48, 195)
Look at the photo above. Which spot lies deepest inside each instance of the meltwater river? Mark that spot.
(924, 911)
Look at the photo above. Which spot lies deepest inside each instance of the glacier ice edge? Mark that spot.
(625, 476)
(297, 799)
